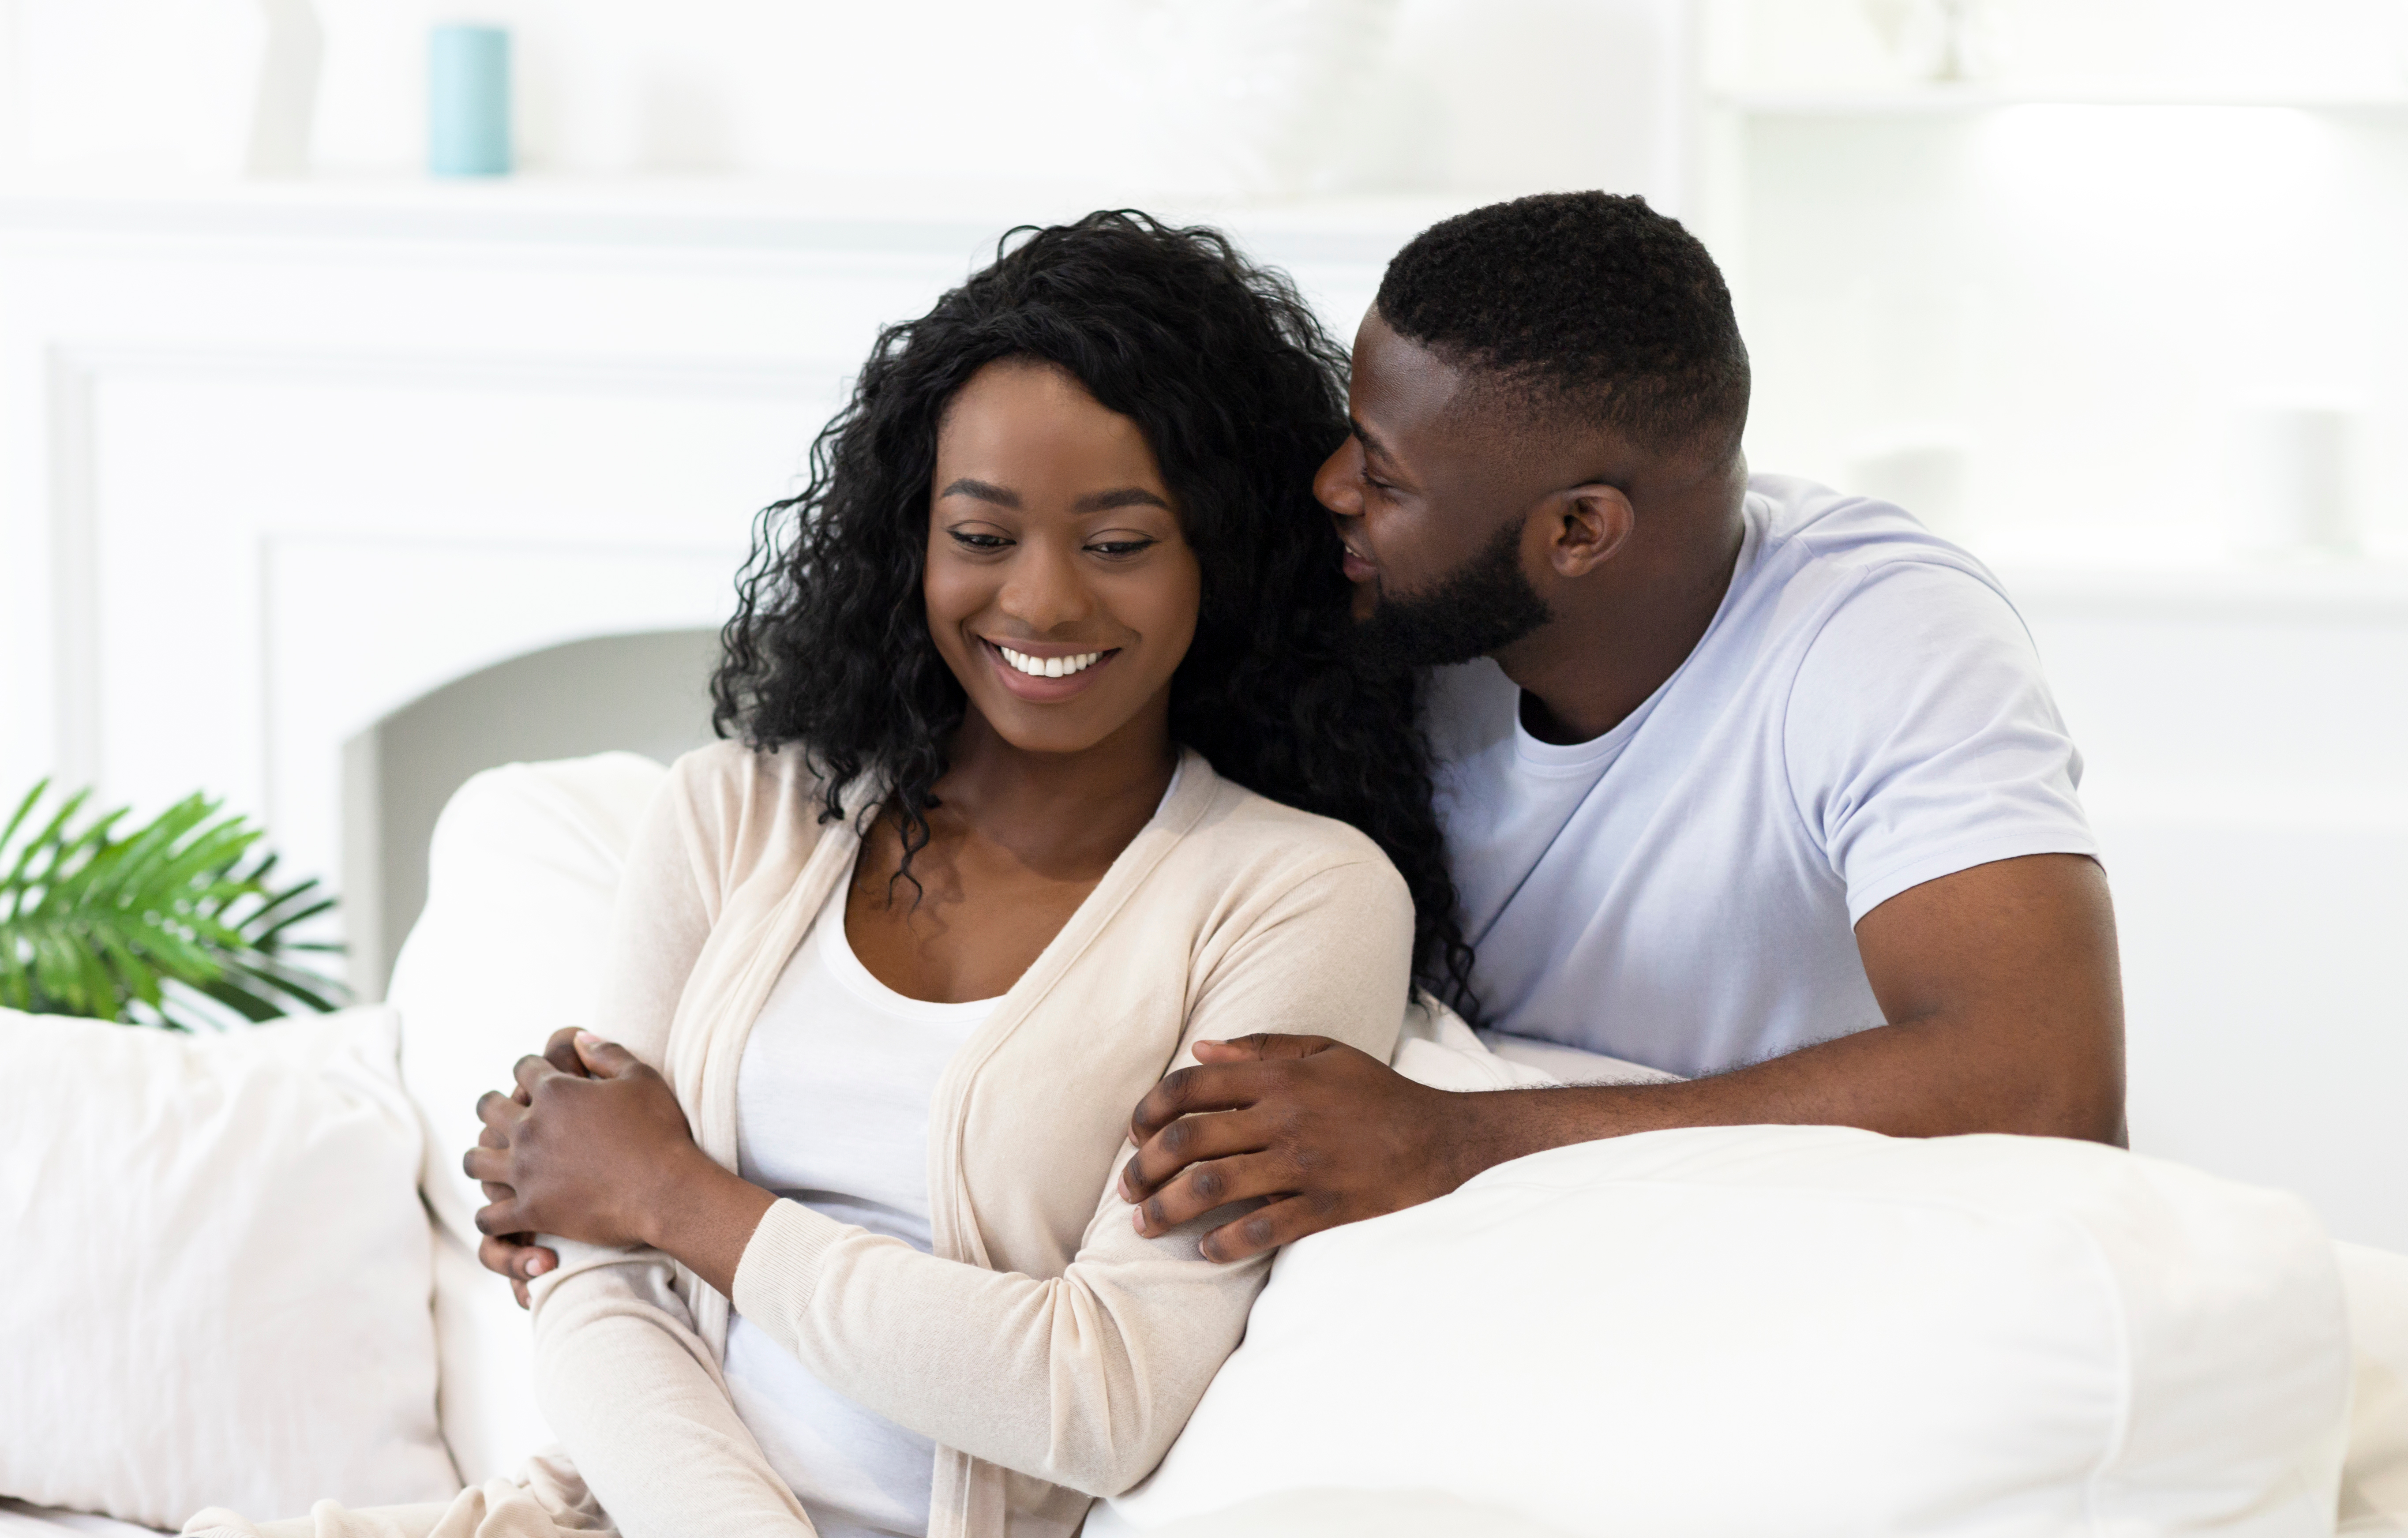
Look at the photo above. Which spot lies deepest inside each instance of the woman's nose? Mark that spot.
(1046, 590)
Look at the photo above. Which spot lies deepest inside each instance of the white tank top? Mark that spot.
(832, 1103)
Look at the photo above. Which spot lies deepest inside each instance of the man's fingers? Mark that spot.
(1261, 1047)
(1269, 1226)
(1215, 1183)
(605, 1059)
(1209, 1086)
(1212, 1134)
(489, 1165)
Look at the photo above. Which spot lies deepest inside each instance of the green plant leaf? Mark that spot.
(177, 923)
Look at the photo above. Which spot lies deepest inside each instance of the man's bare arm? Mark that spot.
(2000, 986)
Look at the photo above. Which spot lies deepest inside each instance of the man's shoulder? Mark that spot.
(1811, 533)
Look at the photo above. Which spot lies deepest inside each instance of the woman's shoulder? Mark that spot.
(731, 792)
(1236, 825)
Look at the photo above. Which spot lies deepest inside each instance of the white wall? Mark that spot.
(1238, 97)
(2136, 224)
(2087, 295)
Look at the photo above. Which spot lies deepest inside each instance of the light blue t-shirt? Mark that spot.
(1865, 713)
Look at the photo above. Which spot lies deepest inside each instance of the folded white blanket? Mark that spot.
(549, 1499)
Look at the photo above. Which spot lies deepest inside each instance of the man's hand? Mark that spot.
(2005, 1013)
(1321, 1133)
(517, 1256)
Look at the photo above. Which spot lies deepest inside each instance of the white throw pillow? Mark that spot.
(217, 1270)
(520, 876)
(1807, 1331)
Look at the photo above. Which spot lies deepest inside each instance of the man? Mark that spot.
(1757, 783)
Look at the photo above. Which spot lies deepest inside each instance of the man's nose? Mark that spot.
(1338, 485)
(1046, 589)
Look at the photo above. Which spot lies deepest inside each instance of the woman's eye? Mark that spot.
(978, 541)
(1120, 548)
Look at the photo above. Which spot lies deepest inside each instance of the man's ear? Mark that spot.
(1585, 525)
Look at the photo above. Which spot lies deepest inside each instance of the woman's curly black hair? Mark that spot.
(1241, 395)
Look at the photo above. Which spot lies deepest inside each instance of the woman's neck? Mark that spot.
(1062, 814)
(1017, 843)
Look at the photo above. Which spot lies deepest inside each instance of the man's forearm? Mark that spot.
(1919, 1079)
(2006, 1015)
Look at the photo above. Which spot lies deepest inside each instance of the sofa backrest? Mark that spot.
(520, 876)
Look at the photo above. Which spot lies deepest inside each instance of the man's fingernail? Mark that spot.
(587, 1039)
(537, 1266)
(1137, 1218)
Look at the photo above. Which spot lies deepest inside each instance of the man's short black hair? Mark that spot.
(1586, 302)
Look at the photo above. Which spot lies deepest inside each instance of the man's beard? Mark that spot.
(1483, 605)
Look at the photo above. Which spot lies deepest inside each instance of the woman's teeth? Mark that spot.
(1049, 666)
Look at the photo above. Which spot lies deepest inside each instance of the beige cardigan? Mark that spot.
(1051, 1352)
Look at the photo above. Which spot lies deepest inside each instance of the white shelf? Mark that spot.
(1936, 100)
(722, 211)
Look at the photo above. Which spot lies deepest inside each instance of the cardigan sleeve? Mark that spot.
(629, 1387)
(1084, 1379)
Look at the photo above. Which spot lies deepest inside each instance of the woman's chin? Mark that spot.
(1054, 732)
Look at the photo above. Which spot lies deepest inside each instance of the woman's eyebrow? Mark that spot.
(1126, 496)
(1003, 496)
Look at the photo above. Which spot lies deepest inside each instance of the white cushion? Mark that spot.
(217, 1270)
(2375, 1483)
(1356, 1514)
(18, 1520)
(1803, 1331)
(520, 875)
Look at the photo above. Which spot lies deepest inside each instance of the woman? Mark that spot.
(1022, 681)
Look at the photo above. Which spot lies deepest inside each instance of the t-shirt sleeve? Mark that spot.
(1921, 738)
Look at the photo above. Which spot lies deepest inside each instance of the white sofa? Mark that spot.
(1728, 1330)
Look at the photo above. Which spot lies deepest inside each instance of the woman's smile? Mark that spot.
(1042, 673)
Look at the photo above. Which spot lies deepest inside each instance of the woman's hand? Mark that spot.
(517, 1258)
(608, 1159)
(591, 1157)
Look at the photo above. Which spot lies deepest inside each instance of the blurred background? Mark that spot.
(327, 479)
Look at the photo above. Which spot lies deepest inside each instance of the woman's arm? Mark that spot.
(629, 1389)
(1082, 1379)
